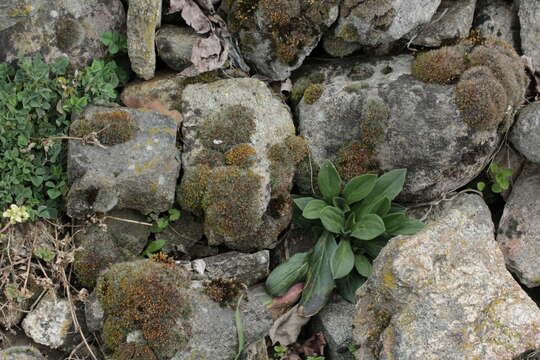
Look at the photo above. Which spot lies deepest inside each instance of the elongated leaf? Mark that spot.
(239, 329)
(349, 223)
(329, 181)
(341, 204)
(302, 202)
(388, 186)
(359, 187)
(400, 224)
(332, 219)
(154, 246)
(363, 265)
(287, 274)
(382, 207)
(368, 227)
(342, 260)
(313, 209)
(348, 285)
(396, 208)
(319, 283)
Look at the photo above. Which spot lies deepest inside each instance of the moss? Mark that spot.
(69, 34)
(481, 98)
(441, 66)
(305, 176)
(148, 297)
(361, 72)
(223, 291)
(231, 201)
(111, 128)
(228, 127)
(298, 89)
(313, 93)
(243, 155)
(348, 32)
(242, 14)
(283, 160)
(211, 158)
(354, 88)
(204, 78)
(192, 188)
(355, 159)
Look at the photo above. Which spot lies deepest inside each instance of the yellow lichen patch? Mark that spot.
(154, 187)
(20, 11)
(243, 155)
(312, 93)
(165, 130)
(110, 128)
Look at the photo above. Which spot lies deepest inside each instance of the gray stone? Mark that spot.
(143, 18)
(139, 173)
(230, 129)
(525, 135)
(50, 323)
(182, 235)
(529, 13)
(174, 45)
(453, 20)
(296, 240)
(497, 19)
(21, 353)
(275, 36)
(519, 228)
(376, 24)
(58, 28)
(335, 322)
(250, 269)
(256, 351)
(444, 293)
(93, 313)
(375, 115)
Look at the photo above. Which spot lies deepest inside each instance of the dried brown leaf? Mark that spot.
(209, 54)
(192, 14)
(286, 329)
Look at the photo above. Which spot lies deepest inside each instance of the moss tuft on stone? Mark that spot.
(312, 93)
(192, 188)
(355, 159)
(243, 155)
(284, 158)
(441, 66)
(111, 128)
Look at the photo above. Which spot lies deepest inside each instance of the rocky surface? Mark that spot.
(525, 134)
(275, 36)
(239, 153)
(445, 293)
(58, 28)
(529, 12)
(174, 45)
(143, 18)
(519, 230)
(182, 235)
(21, 353)
(497, 19)
(136, 167)
(377, 115)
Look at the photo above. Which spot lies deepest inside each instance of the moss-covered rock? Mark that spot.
(110, 128)
(441, 66)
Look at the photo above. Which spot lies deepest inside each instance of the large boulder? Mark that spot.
(58, 28)
(525, 134)
(519, 229)
(239, 158)
(444, 293)
(376, 24)
(131, 161)
(275, 36)
(152, 310)
(437, 115)
(174, 45)
(497, 19)
(529, 13)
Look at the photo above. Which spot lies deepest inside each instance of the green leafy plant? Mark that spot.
(161, 222)
(500, 176)
(279, 351)
(153, 247)
(115, 42)
(315, 358)
(36, 100)
(353, 222)
(44, 253)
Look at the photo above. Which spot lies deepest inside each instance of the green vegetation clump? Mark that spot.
(147, 297)
(110, 128)
(441, 66)
(36, 100)
(313, 93)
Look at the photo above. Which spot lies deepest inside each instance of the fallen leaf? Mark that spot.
(192, 14)
(286, 328)
(209, 54)
(281, 305)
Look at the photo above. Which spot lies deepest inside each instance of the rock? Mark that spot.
(143, 18)
(296, 240)
(376, 24)
(275, 36)
(50, 323)
(519, 228)
(335, 322)
(529, 13)
(239, 158)
(444, 293)
(58, 28)
(525, 135)
(136, 169)
(453, 20)
(256, 351)
(250, 269)
(93, 313)
(21, 353)
(182, 234)
(174, 45)
(151, 306)
(379, 115)
(103, 246)
(497, 19)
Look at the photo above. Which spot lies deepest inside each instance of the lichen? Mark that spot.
(312, 93)
(355, 159)
(223, 291)
(69, 34)
(204, 78)
(111, 128)
(148, 297)
(243, 155)
(284, 157)
(441, 66)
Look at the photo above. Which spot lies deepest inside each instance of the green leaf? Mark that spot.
(349, 223)
(481, 186)
(388, 186)
(400, 224)
(319, 283)
(302, 202)
(382, 207)
(313, 209)
(359, 187)
(329, 181)
(174, 214)
(342, 260)
(348, 285)
(291, 272)
(504, 184)
(332, 219)
(44, 253)
(494, 168)
(496, 188)
(153, 247)
(363, 265)
(507, 173)
(368, 227)
(53, 193)
(341, 204)
(239, 329)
